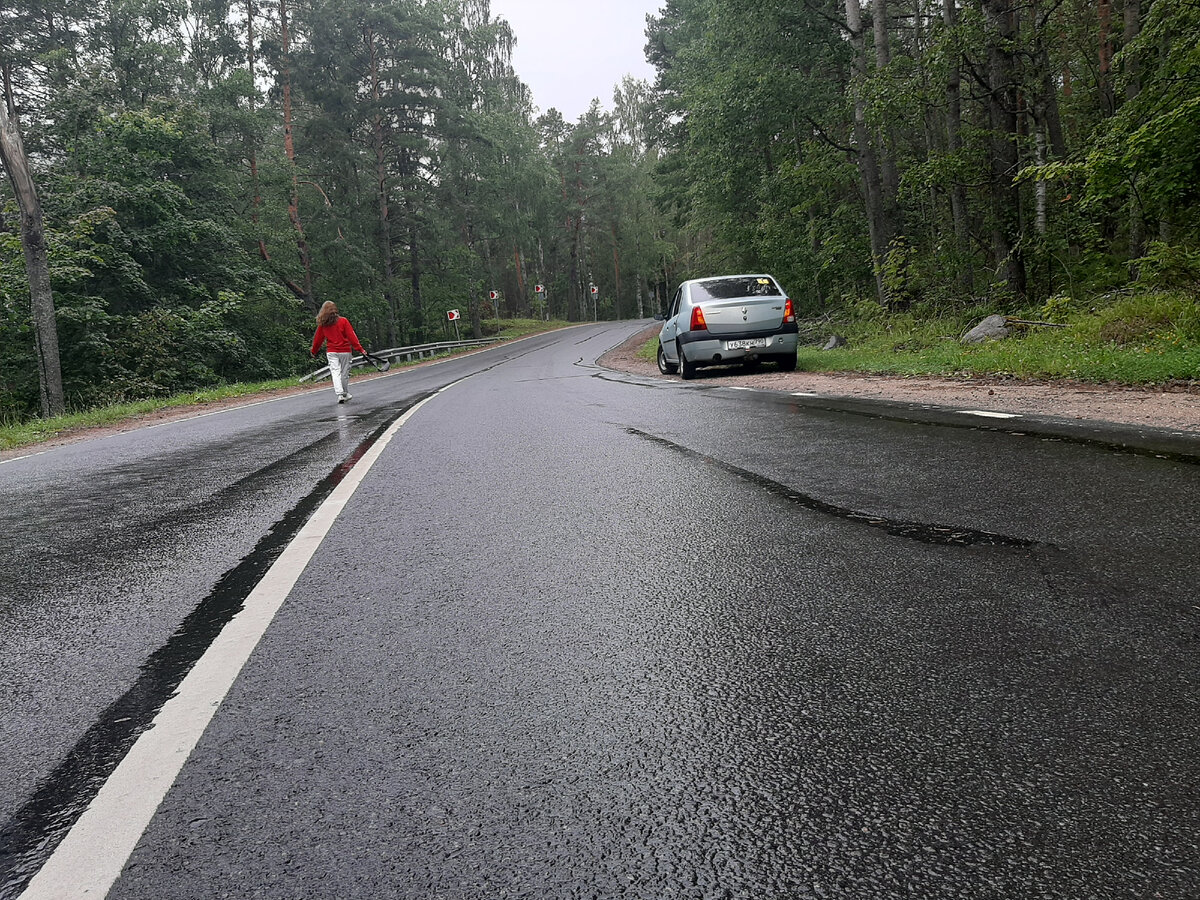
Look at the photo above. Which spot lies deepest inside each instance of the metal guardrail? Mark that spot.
(419, 351)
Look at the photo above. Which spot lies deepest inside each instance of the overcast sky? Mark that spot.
(569, 51)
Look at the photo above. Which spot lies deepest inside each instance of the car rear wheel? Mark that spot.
(687, 370)
(787, 362)
(667, 368)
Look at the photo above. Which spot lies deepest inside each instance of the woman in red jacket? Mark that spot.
(339, 338)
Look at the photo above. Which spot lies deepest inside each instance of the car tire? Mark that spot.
(787, 362)
(667, 368)
(687, 370)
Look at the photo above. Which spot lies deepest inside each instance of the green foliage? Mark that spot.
(900, 283)
(18, 381)
(1130, 338)
(182, 232)
(1168, 265)
(154, 289)
(769, 168)
(1056, 309)
(1145, 161)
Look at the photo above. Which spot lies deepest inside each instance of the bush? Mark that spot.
(1166, 265)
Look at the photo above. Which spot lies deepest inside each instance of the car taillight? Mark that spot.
(698, 323)
(789, 312)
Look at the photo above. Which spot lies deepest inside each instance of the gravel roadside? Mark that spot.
(1176, 407)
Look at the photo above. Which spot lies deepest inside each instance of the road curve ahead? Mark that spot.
(576, 634)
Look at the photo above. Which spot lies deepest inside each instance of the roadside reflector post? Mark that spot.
(494, 296)
(540, 290)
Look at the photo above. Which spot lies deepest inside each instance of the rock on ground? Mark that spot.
(993, 328)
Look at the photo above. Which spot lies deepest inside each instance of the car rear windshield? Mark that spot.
(732, 288)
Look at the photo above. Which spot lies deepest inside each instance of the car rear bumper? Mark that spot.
(695, 337)
(702, 347)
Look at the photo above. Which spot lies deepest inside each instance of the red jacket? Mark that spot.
(339, 336)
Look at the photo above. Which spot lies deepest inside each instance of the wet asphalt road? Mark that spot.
(584, 635)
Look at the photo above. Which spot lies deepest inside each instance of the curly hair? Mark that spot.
(328, 314)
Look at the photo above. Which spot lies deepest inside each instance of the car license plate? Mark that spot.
(747, 343)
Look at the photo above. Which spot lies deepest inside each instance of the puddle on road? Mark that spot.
(29, 838)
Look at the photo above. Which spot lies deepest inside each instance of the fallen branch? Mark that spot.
(1009, 320)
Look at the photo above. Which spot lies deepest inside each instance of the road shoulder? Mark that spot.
(1173, 409)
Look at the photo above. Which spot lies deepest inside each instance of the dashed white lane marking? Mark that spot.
(95, 850)
(989, 414)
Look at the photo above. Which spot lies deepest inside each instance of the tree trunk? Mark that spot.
(1002, 113)
(1105, 54)
(1049, 101)
(251, 148)
(520, 265)
(576, 300)
(304, 292)
(1133, 27)
(616, 274)
(541, 276)
(414, 257)
(641, 284)
(1046, 99)
(877, 224)
(585, 258)
(958, 191)
(37, 265)
(476, 322)
(889, 176)
(1039, 136)
(1133, 87)
(409, 170)
(383, 205)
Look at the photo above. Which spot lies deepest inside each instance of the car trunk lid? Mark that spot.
(743, 314)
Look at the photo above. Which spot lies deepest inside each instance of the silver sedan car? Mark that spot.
(727, 319)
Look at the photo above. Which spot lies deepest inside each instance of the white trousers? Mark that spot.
(339, 371)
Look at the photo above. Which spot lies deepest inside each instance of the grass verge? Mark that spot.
(1145, 339)
(20, 434)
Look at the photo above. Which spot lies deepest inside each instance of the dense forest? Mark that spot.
(205, 173)
(935, 152)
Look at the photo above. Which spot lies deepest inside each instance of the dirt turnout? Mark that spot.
(1176, 407)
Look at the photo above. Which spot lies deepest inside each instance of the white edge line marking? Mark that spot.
(26, 456)
(804, 394)
(90, 858)
(989, 414)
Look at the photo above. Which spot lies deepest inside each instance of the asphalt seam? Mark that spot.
(924, 532)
